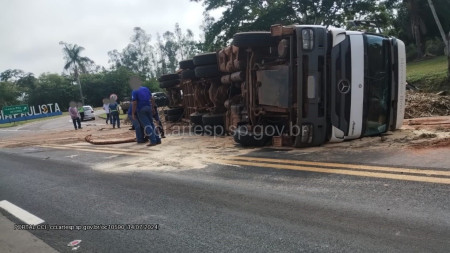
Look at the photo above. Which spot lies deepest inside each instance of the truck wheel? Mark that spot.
(174, 118)
(174, 111)
(253, 39)
(248, 139)
(168, 77)
(213, 124)
(196, 119)
(187, 64)
(207, 71)
(205, 59)
(196, 123)
(169, 83)
(125, 111)
(188, 74)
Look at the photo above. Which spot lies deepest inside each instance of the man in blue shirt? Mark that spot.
(142, 107)
(136, 125)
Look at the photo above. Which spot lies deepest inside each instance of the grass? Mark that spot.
(429, 74)
(19, 123)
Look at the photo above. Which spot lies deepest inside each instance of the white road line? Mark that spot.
(14, 130)
(20, 213)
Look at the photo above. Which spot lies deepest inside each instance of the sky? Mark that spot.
(30, 30)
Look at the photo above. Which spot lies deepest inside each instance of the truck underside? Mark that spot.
(304, 85)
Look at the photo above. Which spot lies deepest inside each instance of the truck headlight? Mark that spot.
(283, 48)
(308, 39)
(307, 133)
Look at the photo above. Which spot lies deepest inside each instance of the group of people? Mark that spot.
(142, 113)
(76, 112)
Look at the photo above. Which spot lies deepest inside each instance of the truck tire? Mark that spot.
(168, 77)
(196, 123)
(174, 111)
(247, 139)
(174, 118)
(205, 59)
(207, 71)
(188, 74)
(125, 111)
(169, 83)
(187, 64)
(213, 124)
(196, 119)
(253, 39)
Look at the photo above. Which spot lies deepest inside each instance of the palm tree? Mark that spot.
(75, 62)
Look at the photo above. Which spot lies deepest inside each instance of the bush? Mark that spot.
(411, 52)
(434, 47)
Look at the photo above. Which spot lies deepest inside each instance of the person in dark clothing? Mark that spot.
(160, 127)
(114, 112)
(136, 125)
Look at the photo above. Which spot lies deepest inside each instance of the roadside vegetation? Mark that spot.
(82, 79)
(429, 74)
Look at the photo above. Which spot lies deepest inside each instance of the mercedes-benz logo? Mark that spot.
(344, 86)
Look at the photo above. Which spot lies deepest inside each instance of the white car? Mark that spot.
(88, 113)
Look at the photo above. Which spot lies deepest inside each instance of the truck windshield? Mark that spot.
(377, 85)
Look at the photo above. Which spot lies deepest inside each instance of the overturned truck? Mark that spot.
(300, 85)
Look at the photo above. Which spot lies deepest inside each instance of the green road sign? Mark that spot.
(15, 109)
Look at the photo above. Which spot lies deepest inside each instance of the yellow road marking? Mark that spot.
(342, 172)
(344, 166)
(77, 147)
(131, 153)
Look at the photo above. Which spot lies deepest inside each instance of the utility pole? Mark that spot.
(446, 39)
(77, 73)
(448, 55)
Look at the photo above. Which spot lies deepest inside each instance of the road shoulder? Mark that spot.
(12, 241)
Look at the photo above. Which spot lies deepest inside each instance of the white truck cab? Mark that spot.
(374, 86)
(317, 85)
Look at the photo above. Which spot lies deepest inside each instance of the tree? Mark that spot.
(169, 49)
(75, 62)
(254, 15)
(418, 27)
(53, 88)
(151, 60)
(18, 81)
(9, 94)
(415, 23)
(136, 56)
(187, 46)
(103, 84)
(11, 75)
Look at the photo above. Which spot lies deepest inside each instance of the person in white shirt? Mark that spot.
(106, 108)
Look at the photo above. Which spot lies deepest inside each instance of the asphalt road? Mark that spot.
(56, 123)
(225, 208)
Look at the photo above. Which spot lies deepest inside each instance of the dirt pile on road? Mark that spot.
(426, 105)
(90, 131)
